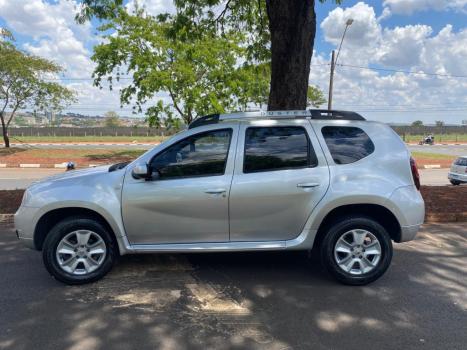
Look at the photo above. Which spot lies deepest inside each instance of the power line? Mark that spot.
(130, 78)
(404, 71)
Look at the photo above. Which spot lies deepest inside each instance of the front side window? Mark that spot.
(277, 148)
(203, 154)
(347, 144)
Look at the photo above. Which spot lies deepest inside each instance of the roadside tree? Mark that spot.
(280, 33)
(111, 119)
(186, 78)
(23, 84)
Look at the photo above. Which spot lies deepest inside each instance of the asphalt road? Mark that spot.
(19, 178)
(452, 150)
(239, 301)
(13, 178)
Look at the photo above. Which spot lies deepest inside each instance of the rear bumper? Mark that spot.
(407, 205)
(408, 233)
(457, 177)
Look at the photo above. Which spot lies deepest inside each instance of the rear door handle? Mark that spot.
(308, 185)
(216, 191)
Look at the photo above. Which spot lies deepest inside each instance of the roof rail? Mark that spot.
(327, 114)
(323, 114)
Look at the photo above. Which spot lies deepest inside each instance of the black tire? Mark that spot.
(454, 182)
(336, 230)
(65, 227)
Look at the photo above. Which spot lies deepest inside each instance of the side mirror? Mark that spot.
(140, 171)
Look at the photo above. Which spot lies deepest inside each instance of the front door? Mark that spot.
(280, 176)
(187, 202)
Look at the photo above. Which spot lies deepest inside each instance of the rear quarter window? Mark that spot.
(347, 144)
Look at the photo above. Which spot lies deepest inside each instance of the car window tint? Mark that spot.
(347, 144)
(461, 161)
(203, 154)
(276, 148)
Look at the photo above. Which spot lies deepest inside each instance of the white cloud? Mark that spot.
(410, 48)
(152, 7)
(407, 7)
(364, 30)
(403, 46)
(55, 34)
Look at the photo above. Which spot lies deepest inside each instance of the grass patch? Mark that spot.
(437, 156)
(47, 139)
(438, 138)
(116, 155)
(79, 156)
(12, 150)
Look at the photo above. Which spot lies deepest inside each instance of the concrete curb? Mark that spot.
(438, 144)
(432, 166)
(84, 144)
(46, 166)
(6, 218)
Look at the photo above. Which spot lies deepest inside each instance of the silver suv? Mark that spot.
(292, 180)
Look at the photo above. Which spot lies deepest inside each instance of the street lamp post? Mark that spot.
(334, 59)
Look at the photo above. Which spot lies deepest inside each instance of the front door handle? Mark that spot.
(308, 185)
(216, 191)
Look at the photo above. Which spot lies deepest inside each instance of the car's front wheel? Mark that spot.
(356, 250)
(78, 250)
(454, 182)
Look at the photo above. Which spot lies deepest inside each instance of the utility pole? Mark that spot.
(334, 59)
(331, 79)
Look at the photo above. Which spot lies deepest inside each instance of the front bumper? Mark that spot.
(457, 177)
(24, 225)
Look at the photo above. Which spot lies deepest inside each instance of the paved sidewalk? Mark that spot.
(239, 301)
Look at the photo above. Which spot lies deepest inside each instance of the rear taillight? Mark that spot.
(415, 173)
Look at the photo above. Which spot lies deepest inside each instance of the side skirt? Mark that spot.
(303, 241)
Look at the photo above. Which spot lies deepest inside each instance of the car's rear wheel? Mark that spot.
(356, 250)
(78, 250)
(454, 182)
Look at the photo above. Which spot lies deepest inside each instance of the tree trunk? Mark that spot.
(6, 139)
(292, 24)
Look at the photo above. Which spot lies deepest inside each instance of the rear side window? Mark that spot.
(461, 161)
(277, 148)
(347, 144)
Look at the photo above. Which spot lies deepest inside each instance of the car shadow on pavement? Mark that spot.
(275, 300)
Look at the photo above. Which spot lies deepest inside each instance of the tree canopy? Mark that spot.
(207, 74)
(23, 84)
(274, 37)
(111, 119)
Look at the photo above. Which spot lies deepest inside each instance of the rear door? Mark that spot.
(280, 176)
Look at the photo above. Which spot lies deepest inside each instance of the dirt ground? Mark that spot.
(443, 203)
(81, 157)
(443, 162)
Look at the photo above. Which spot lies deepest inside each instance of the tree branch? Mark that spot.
(11, 116)
(261, 24)
(175, 103)
(223, 12)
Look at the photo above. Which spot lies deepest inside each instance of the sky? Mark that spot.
(402, 60)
